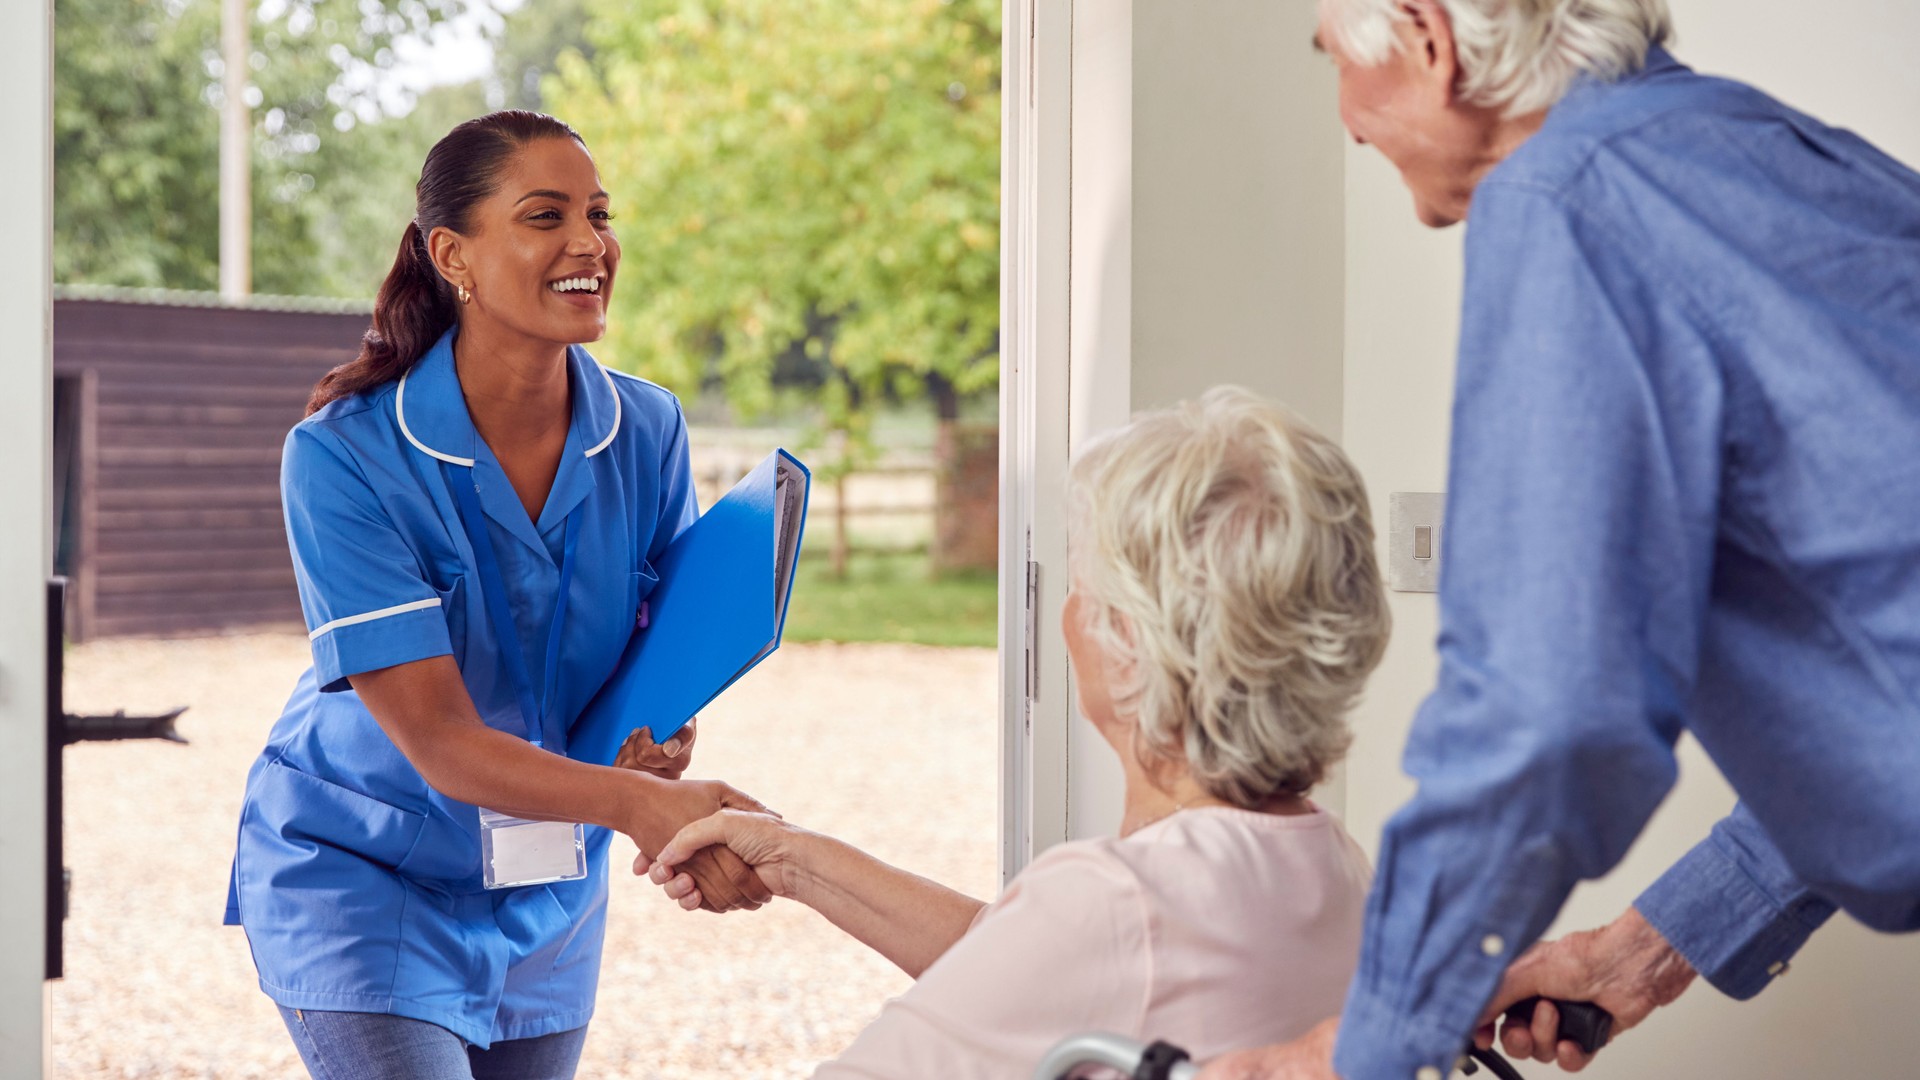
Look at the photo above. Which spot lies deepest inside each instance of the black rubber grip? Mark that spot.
(1158, 1060)
(1587, 1025)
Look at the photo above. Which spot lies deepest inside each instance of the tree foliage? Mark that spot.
(529, 45)
(137, 90)
(798, 177)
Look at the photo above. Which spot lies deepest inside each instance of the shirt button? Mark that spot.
(1493, 945)
(1427, 1072)
(1778, 969)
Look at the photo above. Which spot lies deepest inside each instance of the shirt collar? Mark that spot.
(433, 415)
(1587, 86)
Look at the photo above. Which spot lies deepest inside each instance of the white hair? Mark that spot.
(1519, 56)
(1223, 553)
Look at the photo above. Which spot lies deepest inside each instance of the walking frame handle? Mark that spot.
(1139, 1061)
(1585, 1024)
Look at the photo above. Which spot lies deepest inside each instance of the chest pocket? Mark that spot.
(640, 585)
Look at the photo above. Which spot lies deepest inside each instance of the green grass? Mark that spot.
(891, 598)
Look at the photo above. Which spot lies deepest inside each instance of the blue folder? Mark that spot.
(718, 610)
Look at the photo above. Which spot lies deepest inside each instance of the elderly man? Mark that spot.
(1685, 494)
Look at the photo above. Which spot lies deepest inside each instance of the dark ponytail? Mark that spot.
(416, 305)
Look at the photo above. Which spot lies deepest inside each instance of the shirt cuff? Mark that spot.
(351, 646)
(1731, 929)
(1380, 1042)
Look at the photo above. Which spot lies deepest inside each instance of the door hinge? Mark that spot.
(1033, 632)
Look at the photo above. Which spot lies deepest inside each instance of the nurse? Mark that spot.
(475, 507)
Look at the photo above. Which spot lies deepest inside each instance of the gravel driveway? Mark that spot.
(892, 747)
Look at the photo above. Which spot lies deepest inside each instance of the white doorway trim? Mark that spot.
(1066, 264)
(1036, 174)
(26, 404)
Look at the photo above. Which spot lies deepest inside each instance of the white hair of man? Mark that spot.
(1223, 555)
(1519, 56)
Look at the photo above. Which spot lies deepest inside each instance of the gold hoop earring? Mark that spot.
(462, 293)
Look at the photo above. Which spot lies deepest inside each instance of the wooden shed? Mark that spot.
(169, 413)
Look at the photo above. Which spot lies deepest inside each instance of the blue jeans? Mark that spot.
(376, 1046)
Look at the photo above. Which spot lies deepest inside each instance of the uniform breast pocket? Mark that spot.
(640, 586)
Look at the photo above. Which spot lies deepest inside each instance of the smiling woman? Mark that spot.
(474, 506)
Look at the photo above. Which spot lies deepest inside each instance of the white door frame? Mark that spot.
(1065, 260)
(1035, 184)
(26, 404)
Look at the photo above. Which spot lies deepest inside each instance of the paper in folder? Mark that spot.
(717, 611)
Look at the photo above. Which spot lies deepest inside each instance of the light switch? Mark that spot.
(1413, 540)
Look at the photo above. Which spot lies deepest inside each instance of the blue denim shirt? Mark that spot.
(1685, 495)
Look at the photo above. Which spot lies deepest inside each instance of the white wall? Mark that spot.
(1236, 188)
(1100, 325)
(26, 311)
(1201, 255)
(1846, 1008)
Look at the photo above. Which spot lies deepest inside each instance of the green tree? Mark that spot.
(136, 140)
(811, 176)
(528, 48)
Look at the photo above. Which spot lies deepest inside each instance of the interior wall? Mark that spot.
(1100, 326)
(1236, 182)
(1845, 1008)
(1207, 242)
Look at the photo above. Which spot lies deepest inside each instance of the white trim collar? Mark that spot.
(400, 412)
(615, 428)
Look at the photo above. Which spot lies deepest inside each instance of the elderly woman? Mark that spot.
(1685, 429)
(1225, 610)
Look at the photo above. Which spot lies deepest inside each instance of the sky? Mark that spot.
(459, 52)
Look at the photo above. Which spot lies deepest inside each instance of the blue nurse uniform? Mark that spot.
(359, 886)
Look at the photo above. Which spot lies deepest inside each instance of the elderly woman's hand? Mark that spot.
(668, 760)
(764, 842)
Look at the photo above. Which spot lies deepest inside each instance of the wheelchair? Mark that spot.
(1588, 1025)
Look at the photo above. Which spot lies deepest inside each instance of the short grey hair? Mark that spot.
(1223, 553)
(1519, 56)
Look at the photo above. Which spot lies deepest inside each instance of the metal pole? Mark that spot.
(236, 154)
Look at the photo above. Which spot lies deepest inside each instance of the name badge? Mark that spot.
(516, 851)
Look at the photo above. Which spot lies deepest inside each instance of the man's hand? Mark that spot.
(1310, 1057)
(667, 760)
(1625, 967)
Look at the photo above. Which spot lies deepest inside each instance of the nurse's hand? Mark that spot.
(667, 760)
(764, 842)
(665, 806)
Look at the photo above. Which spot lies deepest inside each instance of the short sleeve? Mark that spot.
(1063, 952)
(366, 601)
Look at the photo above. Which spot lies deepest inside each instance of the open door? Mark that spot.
(1066, 223)
(26, 320)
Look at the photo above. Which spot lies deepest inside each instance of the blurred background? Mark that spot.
(807, 194)
(808, 198)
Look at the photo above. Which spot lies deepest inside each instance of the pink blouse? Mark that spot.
(1216, 929)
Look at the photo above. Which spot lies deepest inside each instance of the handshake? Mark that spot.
(707, 844)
